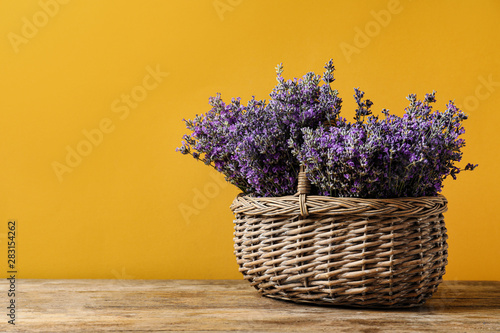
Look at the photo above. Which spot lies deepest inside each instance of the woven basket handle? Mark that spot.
(303, 189)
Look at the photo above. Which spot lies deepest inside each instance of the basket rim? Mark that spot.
(330, 206)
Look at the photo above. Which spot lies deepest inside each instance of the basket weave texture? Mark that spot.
(342, 251)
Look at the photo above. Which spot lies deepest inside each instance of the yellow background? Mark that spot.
(118, 213)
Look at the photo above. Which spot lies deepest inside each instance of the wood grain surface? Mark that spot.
(231, 305)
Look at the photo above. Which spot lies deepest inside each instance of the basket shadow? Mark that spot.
(432, 306)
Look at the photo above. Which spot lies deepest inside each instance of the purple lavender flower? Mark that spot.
(259, 147)
(394, 157)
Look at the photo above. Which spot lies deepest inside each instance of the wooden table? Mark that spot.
(231, 305)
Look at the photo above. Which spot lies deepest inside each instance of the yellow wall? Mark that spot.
(116, 213)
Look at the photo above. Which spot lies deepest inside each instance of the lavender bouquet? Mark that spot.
(261, 146)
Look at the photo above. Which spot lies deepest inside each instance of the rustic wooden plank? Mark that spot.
(232, 305)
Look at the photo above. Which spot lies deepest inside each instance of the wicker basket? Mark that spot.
(342, 251)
